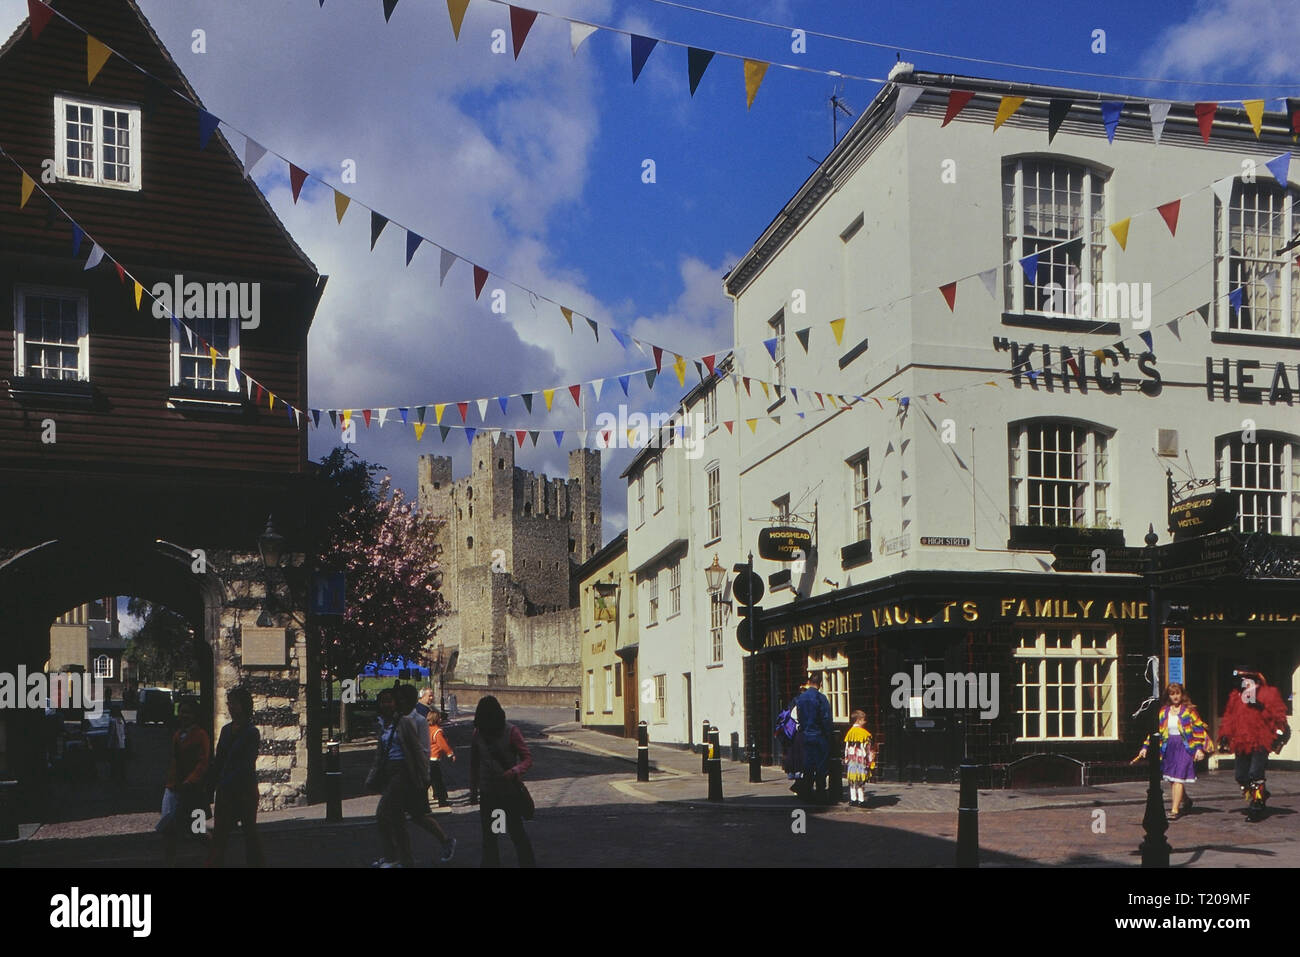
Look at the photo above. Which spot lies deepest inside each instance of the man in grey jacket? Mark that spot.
(404, 752)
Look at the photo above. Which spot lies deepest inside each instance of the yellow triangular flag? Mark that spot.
(1120, 231)
(341, 201)
(753, 425)
(419, 431)
(1255, 110)
(139, 290)
(457, 10)
(96, 56)
(994, 384)
(347, 417)
(29, 184)
(568, 317)
(271, 400)
(1099, 353)
(767, 394)
(548, 395)
(212, 351)
(1006, 108)
(837, 327)
(680, 368)
(437, 413)
(630, 440)
(754, 70)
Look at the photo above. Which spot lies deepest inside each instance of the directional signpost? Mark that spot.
(1080, 558)
(1199, 559)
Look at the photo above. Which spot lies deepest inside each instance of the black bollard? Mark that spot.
(642, 752)
(333, 783)
(968, 818)
(577, 709)
(713, 755)
(1154, 848)
(704, 748)
(735, 747)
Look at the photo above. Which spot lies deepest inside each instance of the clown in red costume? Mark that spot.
(1253, 724)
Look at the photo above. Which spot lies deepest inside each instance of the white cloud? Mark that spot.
(1245, 40)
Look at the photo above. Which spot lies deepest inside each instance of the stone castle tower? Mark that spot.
(511, 545)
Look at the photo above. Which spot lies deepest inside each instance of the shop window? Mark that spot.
(833, 666)
(1066, 684)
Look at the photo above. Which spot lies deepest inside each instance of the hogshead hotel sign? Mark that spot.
(1202, 514)
(784, 544)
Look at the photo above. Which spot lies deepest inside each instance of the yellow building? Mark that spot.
(609, 641)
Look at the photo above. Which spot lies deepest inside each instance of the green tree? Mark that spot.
(162, 646)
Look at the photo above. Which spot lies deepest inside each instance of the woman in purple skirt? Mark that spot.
(1184, 740)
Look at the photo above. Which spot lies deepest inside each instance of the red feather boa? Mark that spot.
(1250, 728)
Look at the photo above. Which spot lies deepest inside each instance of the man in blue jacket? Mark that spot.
(815, 723)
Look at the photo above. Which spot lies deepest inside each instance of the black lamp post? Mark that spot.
(271, 545)
(1155, 847)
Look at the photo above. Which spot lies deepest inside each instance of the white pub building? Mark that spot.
(1011, 350)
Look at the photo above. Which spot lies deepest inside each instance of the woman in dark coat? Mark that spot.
(499, 758)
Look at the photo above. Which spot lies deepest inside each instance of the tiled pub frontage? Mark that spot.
(992, 669)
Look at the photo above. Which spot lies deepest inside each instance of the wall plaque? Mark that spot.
(263, 647)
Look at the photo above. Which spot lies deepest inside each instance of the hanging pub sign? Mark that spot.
(1202, 514)
(784, 544)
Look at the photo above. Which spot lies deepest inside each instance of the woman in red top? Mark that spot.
(499, 758)
(191, 751)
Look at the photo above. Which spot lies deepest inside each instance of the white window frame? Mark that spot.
(675, 589)
(640, 498)
(659, 484)
(103, 666)
(777, 323)
(21, 292)
(1099, 506)
(652, 600)
(1092, 233)
(179, 337)
(1260, 200)
(1275, 450)
(61, 102)
(713, 479)
(717, 621)
(660, 715)
(860, 495)
(591, 691)
(1065, 647)
(609, 690)
(832, 664)
(711, 409)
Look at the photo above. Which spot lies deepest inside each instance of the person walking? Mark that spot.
(234, 769)
(1253, 724)
(439, 747)
(1184, 740)
(499, 758)
(183, 794)
(815, 722)
(401, 773)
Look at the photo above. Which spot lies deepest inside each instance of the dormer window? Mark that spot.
(96, 144)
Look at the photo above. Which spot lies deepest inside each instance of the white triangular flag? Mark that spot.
(482, 410)
(253, 151)
(297, 418)
(445, 262)
(907, 97)
(383, 414)
(990, 279)
(496, 436)
(1159, 113)
(596, 386)
(579, 32)
(96, 257)
(582, 438)
(1270, 282)
(1223, 189)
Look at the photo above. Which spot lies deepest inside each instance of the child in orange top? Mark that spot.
(438, 747)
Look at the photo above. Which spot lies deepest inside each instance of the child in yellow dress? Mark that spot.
(859, 759)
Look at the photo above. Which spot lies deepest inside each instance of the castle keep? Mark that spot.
(512, 543)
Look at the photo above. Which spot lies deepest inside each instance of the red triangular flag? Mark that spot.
(745, 380)
(659, 359)
(937, 396)
(463, 407)
(258, 399)
(708, 363)
(519, 437)
(950, 294)
(1205, 117)
(1170, 212)
(607, 436)
(39, 14)
(480, 274)
(957, 100)
(121, 273)
(521, 21)
(365, 414)
(576, 392)
(296, 178)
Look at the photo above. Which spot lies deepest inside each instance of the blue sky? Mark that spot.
(533, 168)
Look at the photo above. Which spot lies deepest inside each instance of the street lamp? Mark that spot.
(715, 574)
(271, 545)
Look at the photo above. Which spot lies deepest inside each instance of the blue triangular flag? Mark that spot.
(623, 380)
(619, 336)
(1110, 111)
(559, 437)
(404, 411)
(207, 126)
(1234, 300)
(904, 401)
(641, 47)
(503, 399)
(469, 435)
(412, 244)
(794, 393)
(1030, 265)
(315, 415)
(77, 235)
(1146, 337)
(771, 347)
(1280, 166)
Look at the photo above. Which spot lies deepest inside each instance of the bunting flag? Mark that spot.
(383, 414)
(1146, 338)
(29, 184)
(446, 259)
(770, 344)
(253, 153)
(334, 423)
(755, 70)
(1030, 265)
(207, 126)
(950, 295)
(533, 435)
(39, 14)
(730, 424)
(623, 380)
(97, 55)
(578, 32)
(519, 437)
(907, 97)
(957, 100)
(1057, 110)
(296, 178)
(377, 224)
(443, 432)
(1173, 327)
(559, 437)
(482, 409)
(521, 21)
(802, 336)
(438, 409)
(650, 375)
(641, 48)
(680, 368)
(402, 412)
(1120, 231)
(480, 274)
(139, 290)
(463, 409)
(1169, 212)
(1270, 282)
(1223, 189)
(576, 392)
(121, 273)
(1205, 118)
(697, 61)
(659, 359)
(528, 403)
(95, 258)
(1110, 111)
(1006, 109)
(456, 9)
(753, 426)
(1255, 111)
(412, 244)
(1280, 167)
(77, 235)
(549, 396)
(1234, 300)
(595, 329)
(567, 313)
(1159, 112)
(708, 364)
(990, 279)
(469, 436)
(503, 401)
(597, 386)
(389, 7)
(419, 432)
(837, 327)
(341, 201)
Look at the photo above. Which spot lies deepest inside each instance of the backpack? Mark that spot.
(786, 724)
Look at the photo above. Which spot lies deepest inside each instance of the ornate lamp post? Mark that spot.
(271, 545)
